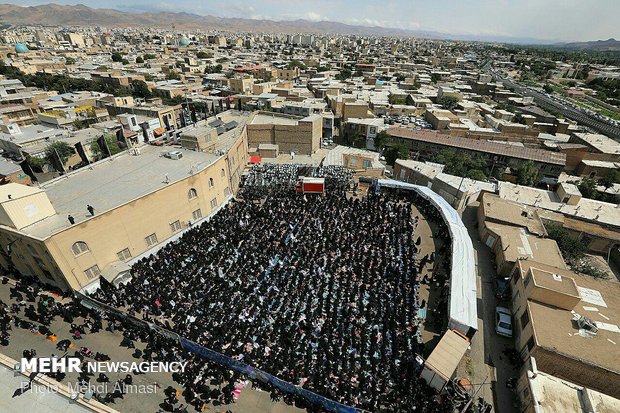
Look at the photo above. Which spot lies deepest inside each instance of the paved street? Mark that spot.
(250, 400)
(485, 360)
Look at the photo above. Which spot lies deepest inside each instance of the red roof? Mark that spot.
(255, 159)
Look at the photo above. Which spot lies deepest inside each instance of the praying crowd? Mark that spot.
(317, 290)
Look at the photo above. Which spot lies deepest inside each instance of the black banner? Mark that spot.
(80, 151)
(27, 168)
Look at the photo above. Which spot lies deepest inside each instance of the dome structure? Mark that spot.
(184, 42)
(21, 48)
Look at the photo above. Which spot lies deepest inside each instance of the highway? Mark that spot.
(563, 108)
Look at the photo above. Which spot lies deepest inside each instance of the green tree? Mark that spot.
(204, 55)
(380, 139)
(527, 173)
(139, 59)
(609, 180)
(587, 187)
(221, 60)
(476, 174)
(69, 60)
(110, 141)
(344, 74)
(571, 248)
(62, 148)
(149, 56)
(117, 57)
(213, 69)
(448, 101)
(140, 89)
(173, 75)
(547, 88)
(37, 164)
(392, 153)
(435, 77)
(397, 100)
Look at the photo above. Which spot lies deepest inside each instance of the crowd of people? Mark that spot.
(320, 291)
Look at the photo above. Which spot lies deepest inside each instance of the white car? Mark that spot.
(503, 322)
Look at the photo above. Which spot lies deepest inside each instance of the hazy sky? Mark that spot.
(556, 20)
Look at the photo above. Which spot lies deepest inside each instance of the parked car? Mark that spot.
(502, 288)
(503, 322)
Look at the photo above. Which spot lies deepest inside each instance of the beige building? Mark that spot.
(241, 85)
(141, 199)
(291, 133)
(568, 323)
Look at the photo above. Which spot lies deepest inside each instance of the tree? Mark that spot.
(344, 74)
(527, 173)
(139, 59)
(213, 69)
(571, 248)
(173, 75)
(476, 174)
(140, 89)
(112, 143)
(547, 88)
(397, 100)
(395, 152)
(69, 60)
(117, 57)
(149, 56)
(204, 55)
(63, 150)
(609, 180)
(435, 77)
(587, 187)
(380, 139)
(37, 164)
(448, 101)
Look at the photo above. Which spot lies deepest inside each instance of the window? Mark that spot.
(192, 193)
(210, 182)
(214, 203)
(525, 319)
(175, 226)
(79, 247)
(366, 163)
(530, 343)
(353, 162)
(222, 173)
(92, 272)
(151, 240)
(197, 214)
(124, 255)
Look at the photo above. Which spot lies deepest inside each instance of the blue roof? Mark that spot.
(21, 48)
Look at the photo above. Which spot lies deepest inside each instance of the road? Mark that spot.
(564, 109)
(486, 358)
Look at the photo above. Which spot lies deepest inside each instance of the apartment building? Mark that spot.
(141, 199)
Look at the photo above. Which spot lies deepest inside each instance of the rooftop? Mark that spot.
(600, 142)
(511, 213)
(495, 148)
(112, 182)
(554, 395)
(588, 209)
(517, 243)
(555, 330)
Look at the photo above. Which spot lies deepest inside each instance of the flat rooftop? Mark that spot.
(512, 213)
(554, 395)
(112, 182)
(265, 119)
(556, 330)
(587, 209)
(517, 243)
(537, 155)
(601, 143)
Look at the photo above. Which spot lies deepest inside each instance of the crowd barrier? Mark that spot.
(250, 372)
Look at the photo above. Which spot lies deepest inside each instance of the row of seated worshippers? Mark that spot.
(317, 290)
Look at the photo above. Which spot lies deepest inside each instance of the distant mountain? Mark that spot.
(81, 15)
(608, 45)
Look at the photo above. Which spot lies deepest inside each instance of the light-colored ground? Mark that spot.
(250, 401)
(485, 359)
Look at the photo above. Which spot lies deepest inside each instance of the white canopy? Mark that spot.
(462, 308)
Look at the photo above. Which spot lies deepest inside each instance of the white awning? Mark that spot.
(462, 309)
(117, 272)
